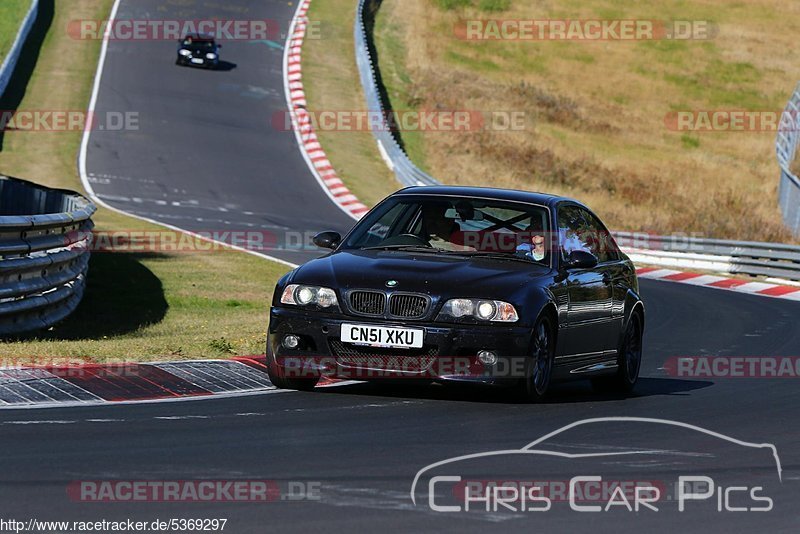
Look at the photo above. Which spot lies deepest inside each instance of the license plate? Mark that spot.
(381, 336)
(197, 61)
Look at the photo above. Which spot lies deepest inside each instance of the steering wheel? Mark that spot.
(418, 239)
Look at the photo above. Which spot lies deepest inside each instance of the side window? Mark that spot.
(603, 245)
(572, 231)
(579, 229)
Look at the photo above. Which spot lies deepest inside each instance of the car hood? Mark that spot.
(196, 50)
(435, 275)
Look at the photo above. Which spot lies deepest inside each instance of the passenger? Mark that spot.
(533, 242)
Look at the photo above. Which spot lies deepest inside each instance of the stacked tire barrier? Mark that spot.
(786, 146)
(10, 61)
(45, 237)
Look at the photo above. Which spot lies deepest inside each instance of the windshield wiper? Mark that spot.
(410, 248)
(500, 256)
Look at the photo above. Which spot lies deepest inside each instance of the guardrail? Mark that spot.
(44, 254)
(786, 147)
(390, 148)
(772, 260)
(10, 61)
(734, 257)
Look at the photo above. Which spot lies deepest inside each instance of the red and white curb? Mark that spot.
(124, 383)
(312, 150)
(763, 289)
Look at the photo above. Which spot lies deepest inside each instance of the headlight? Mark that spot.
(297, 295)
(495, 311)
(211, 56)
(184, 53)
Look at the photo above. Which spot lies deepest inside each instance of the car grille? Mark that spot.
(408, 306)
(403, 360)
(368, 302)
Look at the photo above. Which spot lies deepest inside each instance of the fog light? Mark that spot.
(291, 342)
(487, 357)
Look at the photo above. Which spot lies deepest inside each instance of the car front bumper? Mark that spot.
(450, 352)
(203, 62)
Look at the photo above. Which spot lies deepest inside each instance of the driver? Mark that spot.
(440, 230)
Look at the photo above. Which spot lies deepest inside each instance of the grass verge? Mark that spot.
(137, 307)
(332, 83)
(12, 13)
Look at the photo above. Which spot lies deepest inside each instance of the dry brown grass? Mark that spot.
(595, 111)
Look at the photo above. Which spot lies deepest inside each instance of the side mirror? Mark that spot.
(329, 240)
(219, 46)
(580, 259)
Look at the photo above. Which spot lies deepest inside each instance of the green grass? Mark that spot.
(12, 13)
(137, 306)
(690, 142)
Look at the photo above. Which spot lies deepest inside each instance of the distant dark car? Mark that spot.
(463, 284)
(199, 51)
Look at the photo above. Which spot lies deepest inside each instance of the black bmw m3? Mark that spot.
(198, 50)
(455, 284)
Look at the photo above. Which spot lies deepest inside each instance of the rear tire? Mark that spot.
(534, 385)
(629, 360)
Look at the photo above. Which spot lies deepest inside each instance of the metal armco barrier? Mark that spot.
(407, 173)
(734, 257)
(786, 146)
(44, 254)
(772, 260)
(10, 61)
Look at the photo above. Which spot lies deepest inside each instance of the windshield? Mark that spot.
(476, 227)
(199, 44)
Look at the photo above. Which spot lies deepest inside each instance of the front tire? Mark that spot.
(282, 382)
(629, 360)
(534, 385)
(298, 384)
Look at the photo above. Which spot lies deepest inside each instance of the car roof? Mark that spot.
(199, 37)
(491, 193)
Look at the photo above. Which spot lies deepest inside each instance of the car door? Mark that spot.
(589, 315)
(616, 270)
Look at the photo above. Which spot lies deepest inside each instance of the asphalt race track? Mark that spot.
(364, 443)
(206, 156)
